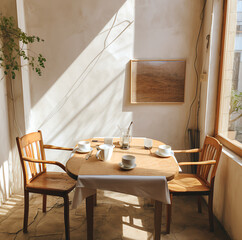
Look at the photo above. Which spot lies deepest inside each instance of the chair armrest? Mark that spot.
(57, 148)
(195, 150)
(33, 160)
(209, 162)
(60, 148)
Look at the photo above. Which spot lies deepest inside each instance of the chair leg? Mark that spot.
(199, 204)
(66, 216)
(95, 200)
(157, 222)
(44, 202)
(26, 210)
(210, 211)
(168, 216)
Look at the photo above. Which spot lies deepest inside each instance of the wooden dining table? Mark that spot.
(148, 163)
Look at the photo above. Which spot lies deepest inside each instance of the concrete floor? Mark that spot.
(117, 216)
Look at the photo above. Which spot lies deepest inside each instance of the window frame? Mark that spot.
(232, 145)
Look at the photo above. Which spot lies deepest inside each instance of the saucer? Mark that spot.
(162, 155)
(85, 150)
(126, 168)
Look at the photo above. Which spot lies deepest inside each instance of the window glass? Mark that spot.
(230, 119)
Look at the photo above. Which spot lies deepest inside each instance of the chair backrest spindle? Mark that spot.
(31, 145)
(211, 151)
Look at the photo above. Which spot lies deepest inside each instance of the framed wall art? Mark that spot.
(157, 81)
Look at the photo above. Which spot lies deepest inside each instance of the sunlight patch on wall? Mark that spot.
(87, 98)
(4, 181)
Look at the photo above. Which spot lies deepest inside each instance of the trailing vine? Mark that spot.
(13, 46)
(235, 105)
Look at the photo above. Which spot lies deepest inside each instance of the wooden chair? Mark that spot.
(201, 183)
(38, 180)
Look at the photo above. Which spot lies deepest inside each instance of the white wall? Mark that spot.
(5, 136)
(12, 122)
(228, 181)
(5, 148)
(84, 91)
(228, 193)
(166, 30)
(81, 92)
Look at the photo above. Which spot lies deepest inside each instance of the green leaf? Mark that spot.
(10, 36)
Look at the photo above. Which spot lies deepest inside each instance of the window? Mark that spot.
(229, 123)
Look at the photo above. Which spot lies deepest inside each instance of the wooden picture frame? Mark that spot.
(157, 81)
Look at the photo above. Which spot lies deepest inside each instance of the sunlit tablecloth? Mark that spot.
(154, 187)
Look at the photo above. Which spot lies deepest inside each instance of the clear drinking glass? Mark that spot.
(148, 143)
(125, 138)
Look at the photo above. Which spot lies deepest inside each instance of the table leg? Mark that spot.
(158, 215)
(89, 213)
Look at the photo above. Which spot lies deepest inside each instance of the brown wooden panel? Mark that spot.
(157, 81)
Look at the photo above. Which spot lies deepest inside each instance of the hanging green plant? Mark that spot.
(13, 46)
(235, 105)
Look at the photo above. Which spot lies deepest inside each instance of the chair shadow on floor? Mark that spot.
(11, 218)
(121, 216)
(117, 216)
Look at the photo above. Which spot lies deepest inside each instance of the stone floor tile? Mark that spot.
(14, 221)
(7, 236)
(117, 216)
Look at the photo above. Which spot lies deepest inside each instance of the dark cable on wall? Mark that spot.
(195, 68)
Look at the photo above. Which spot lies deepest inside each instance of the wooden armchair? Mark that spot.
(38, 180)
(201, 183)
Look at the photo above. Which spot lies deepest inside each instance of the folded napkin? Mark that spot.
(173, 155)
(154, 187)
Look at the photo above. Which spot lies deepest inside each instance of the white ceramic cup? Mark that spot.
(84, 145)
(105, 152)
(128, 161)
(164, 150)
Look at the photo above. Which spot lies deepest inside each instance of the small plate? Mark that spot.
(162, 155)
(85, 151)
(126, 168)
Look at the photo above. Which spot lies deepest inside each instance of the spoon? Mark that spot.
(89, 155)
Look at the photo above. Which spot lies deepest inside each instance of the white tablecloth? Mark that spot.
(154, 187)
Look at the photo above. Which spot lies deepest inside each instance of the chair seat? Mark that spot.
(187, 183)
(53, 182)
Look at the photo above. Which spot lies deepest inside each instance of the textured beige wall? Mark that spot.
(227, 190)
(167, 30)
(5, 149)
(75, 35)
(228, 194)
(210, 66)
(10, 172)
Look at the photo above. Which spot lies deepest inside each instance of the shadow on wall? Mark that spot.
(75, 37)
(91, 126)
(67, 29)
(100, 48)
(164, 30)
